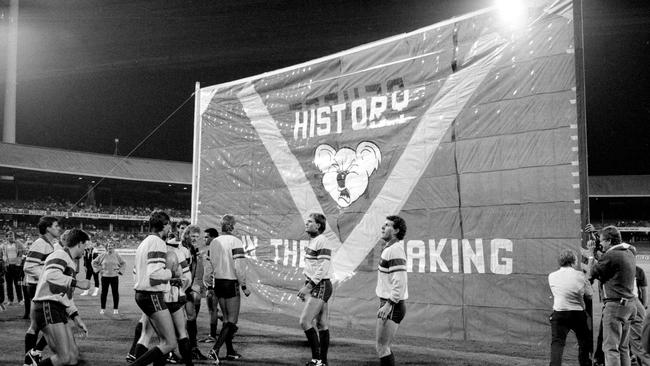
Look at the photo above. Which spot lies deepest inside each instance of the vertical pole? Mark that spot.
(9, 125)
(196, 153)
(581, 110)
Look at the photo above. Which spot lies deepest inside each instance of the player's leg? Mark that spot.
(161, 320)
(313, 307)
(59, 337)
(385, 333)
(180, 324)
(322, 324)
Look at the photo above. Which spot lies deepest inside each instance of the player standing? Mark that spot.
(317, 289)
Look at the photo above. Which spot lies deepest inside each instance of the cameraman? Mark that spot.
(616, 270)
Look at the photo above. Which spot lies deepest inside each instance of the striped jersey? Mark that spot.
(202, 276)
(57, 282)
(318, 257)
(392, 283)
(35, 261)
(227, 259)
(175, 293)
(150, 265)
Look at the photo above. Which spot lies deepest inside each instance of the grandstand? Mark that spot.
(623, 200)
(109, 195)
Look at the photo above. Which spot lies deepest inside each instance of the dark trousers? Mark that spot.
(561, 323)
(28, 290)
(91, 273)
(113, 282)
(2, 290)
(13, 279)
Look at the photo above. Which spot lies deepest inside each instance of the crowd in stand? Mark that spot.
(50, 203)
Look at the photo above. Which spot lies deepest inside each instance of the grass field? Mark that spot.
(269, 339)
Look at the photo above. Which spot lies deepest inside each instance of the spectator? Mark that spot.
(2, 285)
(25, 286)
(637, 353)
(111, 266)
(12, 252)
(569, 287)
(615, 268)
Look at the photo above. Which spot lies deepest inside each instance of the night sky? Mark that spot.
(93, 70)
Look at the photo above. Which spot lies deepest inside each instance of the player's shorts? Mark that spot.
(225, 289)
(150, 302)
(175, 306)
(323, 290)
(398, 312)
(49, 312)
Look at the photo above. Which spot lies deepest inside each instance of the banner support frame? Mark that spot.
(196, 153)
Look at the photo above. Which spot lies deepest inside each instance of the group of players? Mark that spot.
(171, 275)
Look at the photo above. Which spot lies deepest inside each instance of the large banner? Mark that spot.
(466, 128)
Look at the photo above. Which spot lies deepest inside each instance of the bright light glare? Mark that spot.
(513, 13)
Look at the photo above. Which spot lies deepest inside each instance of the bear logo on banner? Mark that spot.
(346, 171)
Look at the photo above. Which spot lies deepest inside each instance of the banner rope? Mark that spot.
(123, 159)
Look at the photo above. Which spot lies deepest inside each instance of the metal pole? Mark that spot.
(9, 125)
(196, 153)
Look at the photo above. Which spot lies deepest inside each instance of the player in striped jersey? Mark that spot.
(392, 287)
(191, 237)
(151, 282)
(317, 289)
(42, 247)
(175, 297)
(228, 268)
(53, 302)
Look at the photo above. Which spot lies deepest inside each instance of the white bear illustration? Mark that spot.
(346, 172)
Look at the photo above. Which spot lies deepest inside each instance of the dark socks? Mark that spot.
(225, 329)
(30, 341)
(45, 362)
(186, 351)
(231, 335)
(387, 360)
(136, 336)
(312, 339)
(191, 332)
(41, 344)
(324, 337)
(139, 350)
(213, 330)
(154, 355)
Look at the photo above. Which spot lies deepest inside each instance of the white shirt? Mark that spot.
(568, 287)
(225, 251)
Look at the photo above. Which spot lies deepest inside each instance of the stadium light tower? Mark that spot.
(116, 151)
(9, 125)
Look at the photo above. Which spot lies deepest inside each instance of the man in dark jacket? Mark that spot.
(616, 269)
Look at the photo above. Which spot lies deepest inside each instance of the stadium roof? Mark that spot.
(96, 165)
(619, 186)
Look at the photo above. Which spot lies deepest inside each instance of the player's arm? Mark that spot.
(239, 258)
(208, 272)
(397, 275)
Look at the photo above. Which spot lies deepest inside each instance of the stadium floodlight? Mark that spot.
(512, 13)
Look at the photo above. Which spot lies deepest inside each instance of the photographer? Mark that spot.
(615, 268)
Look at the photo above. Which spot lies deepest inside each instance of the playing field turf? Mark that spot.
(267, 338)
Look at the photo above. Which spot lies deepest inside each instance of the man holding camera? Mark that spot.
(615, 268)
